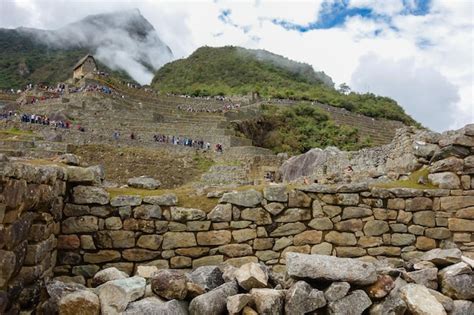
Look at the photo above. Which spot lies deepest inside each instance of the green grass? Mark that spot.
(411, 182)
(202, 163)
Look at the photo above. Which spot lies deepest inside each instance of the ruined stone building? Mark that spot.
(85, 66)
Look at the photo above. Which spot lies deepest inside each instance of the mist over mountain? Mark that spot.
(123, 41)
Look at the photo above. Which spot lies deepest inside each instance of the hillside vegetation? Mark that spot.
(297, 129)
(238, 71)
(24, 60)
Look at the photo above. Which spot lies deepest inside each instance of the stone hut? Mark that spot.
(85, 66)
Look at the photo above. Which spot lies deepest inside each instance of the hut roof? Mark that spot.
(80, 62)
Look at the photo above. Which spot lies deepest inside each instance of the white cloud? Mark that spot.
(438, 46)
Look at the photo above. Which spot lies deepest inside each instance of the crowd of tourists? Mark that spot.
(184, 141)
(208, 109)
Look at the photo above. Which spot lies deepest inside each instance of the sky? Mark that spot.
(419, 52)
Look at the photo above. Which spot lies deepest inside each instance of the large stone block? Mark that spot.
(244, 235)
(288, 229)
(375, 228)
(214, 238)
(275, 193)
(187, 214)
(340, 238)
(102, 256)
(126, 200)
(90, 195)
(248, 198)
(114, 239)
(294, 215)
(461, 225)
(257, 215)
(162, 200)
(84, 224)
(178, 239)
(456, 202)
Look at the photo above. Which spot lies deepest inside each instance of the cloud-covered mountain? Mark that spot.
(123, 41)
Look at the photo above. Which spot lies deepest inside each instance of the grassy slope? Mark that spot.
(44, 65)
(237, 71)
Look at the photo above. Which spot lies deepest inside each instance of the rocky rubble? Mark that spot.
(312, 284)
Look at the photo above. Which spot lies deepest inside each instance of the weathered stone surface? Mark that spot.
(443, 257)
(257, 215)
(275, 193)
(236, 250)
(214, 237)
(248, 198)
(332, 211)
(178, 239)
(438, 233)
(146, 272)
(446, 301)
(169, 284)
(452, 164)
(244, 235)
(268, 301)
(143, 182)
(351, 225)
(308, 237)
(336, 291)
(461, 225)
(393, 303)
(84, 224)
(221, 213)
(322, 249)
(294, 215)
(263, 243)
(375, 228)
(200, 225)
(355, 212)
(207, 277)
(107, 274)
(274, 207)
(288, 229)
(330, 268)
(187, 214)
(236, 303)
(461, 307)
(162, 200)
(80, 175)
(370, 241)
(68, 242)
(340, 238)
(354, 303)
(427, 277)
(301, 298)
(115, 295)
(152, 242)
(251, 276)
(79, 302)
(419, 203)
(402, 239)
(456, 202)
(213, 302)
(113, 223)
(102, 256)
(139, 254)
(321, 224)
(457, 281)
(126, 200)
(147, 226)
(425, 243)
(90, 195)
(154, 305)
(298, 199)
(147, 212)
(350, 252)
(193, 252)
(420, 301)
(114, 239)
(282, 242)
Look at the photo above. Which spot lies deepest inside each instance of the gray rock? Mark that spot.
(427, 277)
(330, 268)
(391, 304)
(462, 307)
(236, 303)
(457, 281)
(276, 193)
(446, 301)
(162, 200)
(58, 289)
(169, 284)
(336, 291)
(68, 159)
(268, 301)
(90, 195)
(420, 301)
(208, 277)
(251, 275)
(443, 257)
(126, 200)
(301, 298)
(144, 182)
(115, 295)
(355, 303)
(221, 213)
(248, 198)
(147, 212)
(154, 306)
(106, 275)
(187, 214)
(445, 180)
(213, 302)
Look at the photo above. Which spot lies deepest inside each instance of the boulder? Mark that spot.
(251, 275)
(301, 298)
(420, 301)
(90, 195)
(58, 289)
(330, 268)
(221, 213)
(79, 302)
(427, 277)
(106, 275)
(381, 288)
(443, 257)
(208, 277)
(336, 291)
(169, 284)
(115, 295)
(248, 198)
(445, 180)
(144, 182)
(393, 303)
(462, 307)
(457, 281)
(355, 303)
(268, 301)
(153, 305)
(126, 200)
(446, 301)
(187, 214)
(275, 193)
(214, 301)
(68, 159)
(236, 303)
(162, 200)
